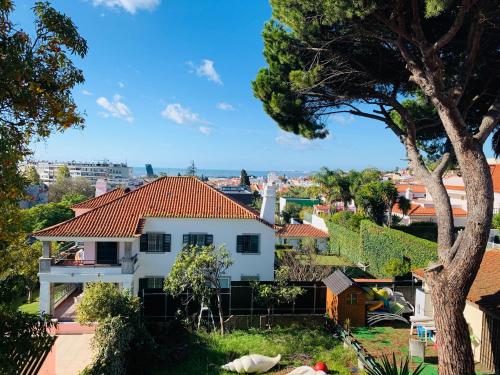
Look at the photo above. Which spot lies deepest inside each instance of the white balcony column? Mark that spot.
(46, 295)
(127, 261)
(45, 259)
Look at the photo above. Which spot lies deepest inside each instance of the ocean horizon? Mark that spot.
(224, 173)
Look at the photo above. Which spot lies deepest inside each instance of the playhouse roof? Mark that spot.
(338, 282)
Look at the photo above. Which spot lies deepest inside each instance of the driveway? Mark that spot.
(71, 352)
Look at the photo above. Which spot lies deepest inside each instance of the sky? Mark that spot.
(169, 81)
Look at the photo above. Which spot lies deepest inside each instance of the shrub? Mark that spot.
(397, 267)
(496, 221)
(103, 300)
(381, 244)
(345, 242)
(348, 219)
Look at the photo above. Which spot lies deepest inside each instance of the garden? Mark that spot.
(298, 346)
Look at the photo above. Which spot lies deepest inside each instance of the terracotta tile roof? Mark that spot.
(168, 197)
(301, 230)
(419, 210)
(101, 199)
(495, 175)
(415, 188)
(485, 290)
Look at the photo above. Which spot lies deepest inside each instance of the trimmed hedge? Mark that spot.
(376, 246)
(381, 244)
(345, 242)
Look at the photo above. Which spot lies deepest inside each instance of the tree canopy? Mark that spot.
(37, 78)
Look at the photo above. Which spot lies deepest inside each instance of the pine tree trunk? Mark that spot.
(219, 306)
(452, 332)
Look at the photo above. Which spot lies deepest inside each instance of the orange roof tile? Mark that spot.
(495, 175)
(167, 197)
(485, 290)
(101, 199)
(419, 210)
(415, 188)
(301, 230)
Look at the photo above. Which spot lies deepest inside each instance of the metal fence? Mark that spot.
(237, 300)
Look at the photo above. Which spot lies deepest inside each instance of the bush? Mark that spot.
(496, 221)
(344, 242)
(426, 230)
(103, 300)
(348, 220)
(382, 244)
(397, 267)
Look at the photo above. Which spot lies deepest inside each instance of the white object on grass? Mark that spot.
(306, 370)
(253, 363)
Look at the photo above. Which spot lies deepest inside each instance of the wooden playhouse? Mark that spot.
(345, 299)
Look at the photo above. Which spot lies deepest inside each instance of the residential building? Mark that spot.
(132, 238)
(295, 234)
(424, 211)
(239, 193)
(115, 173)
(482, 310)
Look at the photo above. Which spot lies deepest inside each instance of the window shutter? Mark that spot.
(144, 243)
(185, 239)
(239, 244)
(166, 242)
(254, 244)
(209, 239)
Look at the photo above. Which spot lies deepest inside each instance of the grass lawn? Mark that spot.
(332, 260)
(388, 340)
(297, 346)
(31, 308)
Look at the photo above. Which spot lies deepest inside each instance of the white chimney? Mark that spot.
(409, 194)
(267, 211)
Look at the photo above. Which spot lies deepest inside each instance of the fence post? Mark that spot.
(315, 291)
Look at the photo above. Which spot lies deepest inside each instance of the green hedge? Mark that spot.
(381, 244)
(344, 242)
(376, 246)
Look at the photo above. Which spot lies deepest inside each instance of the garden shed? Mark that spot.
(345, 299)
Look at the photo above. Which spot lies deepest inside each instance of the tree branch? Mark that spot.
(489, 122)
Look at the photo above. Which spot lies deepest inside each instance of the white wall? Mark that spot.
(474, 318)
(224, 232)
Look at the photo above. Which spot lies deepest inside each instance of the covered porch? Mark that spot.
(81, 261)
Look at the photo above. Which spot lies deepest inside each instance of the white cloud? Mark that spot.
(205, 130)
(86, 92)
(177, 113)
(206, 69)
(343, 119)
(294, 141)
(116, 108)
(131, 6)
(224, 106)
(121, 85)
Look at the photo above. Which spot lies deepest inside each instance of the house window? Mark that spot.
(155, 242)
(247, 243)
(353, 299)
(154, 282)
(250, 278)
(198, 239)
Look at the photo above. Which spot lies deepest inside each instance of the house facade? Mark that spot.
(133, 239)
(481, 312)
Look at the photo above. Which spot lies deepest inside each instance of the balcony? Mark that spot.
(72, 259)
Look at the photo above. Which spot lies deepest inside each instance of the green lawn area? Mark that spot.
(297, 346)
(332, 260)
(31, 308)
(387, 340)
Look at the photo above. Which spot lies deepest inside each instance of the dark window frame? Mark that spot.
(244, 243)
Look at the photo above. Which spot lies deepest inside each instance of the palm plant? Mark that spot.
(334, 185)
(393, 368)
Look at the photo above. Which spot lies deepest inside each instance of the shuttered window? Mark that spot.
(155, 242)
(198, 239)
(247, 243)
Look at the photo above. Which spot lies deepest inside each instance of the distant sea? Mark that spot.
(141, 171)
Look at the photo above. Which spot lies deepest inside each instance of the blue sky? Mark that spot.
(169, 81)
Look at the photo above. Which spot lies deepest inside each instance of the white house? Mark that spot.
(481, 312)
(132, 238)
